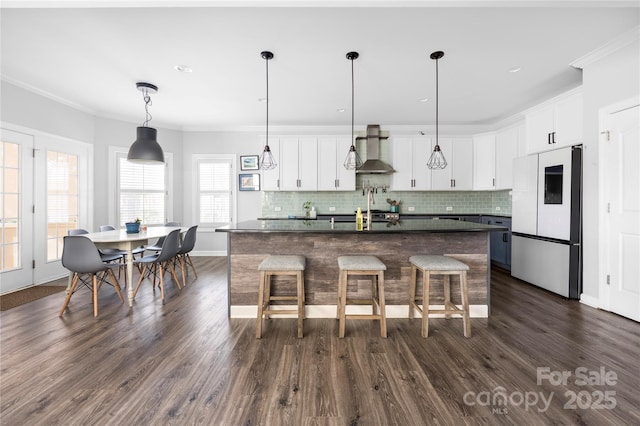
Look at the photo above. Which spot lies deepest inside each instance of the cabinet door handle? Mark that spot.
(548, 138)
(454, 183)
(505, 237)
(278, 183)
(494, 181)
(336, 183)
(553, 137)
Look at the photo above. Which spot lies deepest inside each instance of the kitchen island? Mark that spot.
(321, 242)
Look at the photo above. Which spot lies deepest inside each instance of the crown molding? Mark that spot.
(607, 49)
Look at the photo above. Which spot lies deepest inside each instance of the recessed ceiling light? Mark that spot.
(262, 100)
(340, 110)
(183, 68)
(514, 69)
(423, 100)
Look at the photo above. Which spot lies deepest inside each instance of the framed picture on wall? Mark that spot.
(248, 162)
(249, 181)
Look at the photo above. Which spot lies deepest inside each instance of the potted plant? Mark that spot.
(133, 227)
(307, 208)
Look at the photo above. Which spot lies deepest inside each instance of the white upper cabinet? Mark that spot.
(409, 159)
(458, 175)
(507, 142)
(332, 176)
(271, 178)
(298, 164)
(484, 161)
(555, 124)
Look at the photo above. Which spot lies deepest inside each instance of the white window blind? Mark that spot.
(214, 192)
(142, 192)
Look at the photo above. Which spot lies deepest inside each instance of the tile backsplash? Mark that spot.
(430, 202)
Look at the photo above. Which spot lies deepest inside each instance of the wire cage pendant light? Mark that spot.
(267, 161)
(437, 160)
(352, 162)
(146, 149)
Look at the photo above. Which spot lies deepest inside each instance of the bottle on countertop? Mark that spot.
(312, 213)
(359, 220)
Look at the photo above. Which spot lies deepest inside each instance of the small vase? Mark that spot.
(132, 227)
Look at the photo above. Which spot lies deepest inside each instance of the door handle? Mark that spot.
(548, 138)
(553, 137)
(505, 237)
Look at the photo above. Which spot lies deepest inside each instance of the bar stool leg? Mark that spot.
(412, 291)
(447, 294)
(267, 293)
(343, 301)
(300, 281)
(383, 315)
(464, 290)
(425, 303)
(260, 304)
(374, 295)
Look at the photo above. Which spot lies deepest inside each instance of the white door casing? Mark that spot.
(620, 200)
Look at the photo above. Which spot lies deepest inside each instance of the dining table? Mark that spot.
(122, 240)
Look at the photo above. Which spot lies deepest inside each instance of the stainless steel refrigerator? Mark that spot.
(547, 220)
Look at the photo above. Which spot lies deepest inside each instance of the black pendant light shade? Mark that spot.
(437, 160)
(352, 162)
(267, 161)
(146, 148)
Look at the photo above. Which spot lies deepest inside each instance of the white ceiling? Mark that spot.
(92, 57)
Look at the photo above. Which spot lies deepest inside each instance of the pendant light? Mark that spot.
(437, 160)
(267, 162)
(146, 148)
(352, 162)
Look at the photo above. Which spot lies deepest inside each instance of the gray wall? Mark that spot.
(236, 143)
(608, 81)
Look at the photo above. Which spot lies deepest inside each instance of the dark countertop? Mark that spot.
(351, 216)
(414, 226)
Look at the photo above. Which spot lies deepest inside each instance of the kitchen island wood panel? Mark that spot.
(247, 249)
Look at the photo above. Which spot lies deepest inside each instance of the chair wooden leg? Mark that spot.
(161, 281)
(425, 303)
(267, 293)
(173, 274)
(74, 284)
(94, 278)
(116, 285)
(144, 269)
(195, 274)
(182, 266)
(261, 286)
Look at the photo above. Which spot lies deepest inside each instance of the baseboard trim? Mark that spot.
(206, 253)
(589, 300)
(329, 311)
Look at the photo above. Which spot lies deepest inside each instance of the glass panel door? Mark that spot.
(16, 217)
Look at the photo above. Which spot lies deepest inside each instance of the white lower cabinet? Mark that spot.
(332, 176)
(458, 175)
(409, 159)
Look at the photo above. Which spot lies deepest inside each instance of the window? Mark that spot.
(142, 191)
(9, 206)
(214, 185)
(62, 200)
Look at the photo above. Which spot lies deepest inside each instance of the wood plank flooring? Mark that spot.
(186, 363)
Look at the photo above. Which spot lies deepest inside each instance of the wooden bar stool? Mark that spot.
(439, 265)
(280, 265)
(362, 265)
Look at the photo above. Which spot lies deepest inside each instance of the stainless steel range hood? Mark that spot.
(373, 164)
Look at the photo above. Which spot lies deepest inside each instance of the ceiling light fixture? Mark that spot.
(146, 148)
(437, 160)
(514, 69)
(423, 100)
(352, 162)
(267, 162)
(183, 68)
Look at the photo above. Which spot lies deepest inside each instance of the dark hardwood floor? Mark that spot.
(185, 363)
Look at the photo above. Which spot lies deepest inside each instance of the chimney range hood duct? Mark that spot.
(374, 165)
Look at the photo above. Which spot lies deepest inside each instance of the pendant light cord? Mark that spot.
(147, 102)
(437, 102)
(267, 123)
(352, 104)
